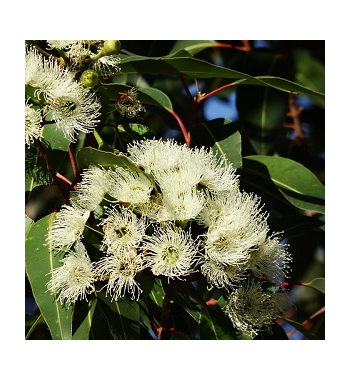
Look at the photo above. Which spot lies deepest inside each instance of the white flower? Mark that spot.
(220, 275)
(219, 205)
(120, 269)
(61, 44)
(75, 109)
(46, 75)
(122, 229)
(270, 260)
(170, 251)
(67, 227)
(93, 187)
(72, 106)
(180, 206)
(108, 65)
(252, 309)
(237, 231)
(215, 173)
(33, 123)
(74, 280)
(129, 187)
(193, 167)
(127, 103)
(156, 156)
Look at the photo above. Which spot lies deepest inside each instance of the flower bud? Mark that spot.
(89, 78)
(111, 47)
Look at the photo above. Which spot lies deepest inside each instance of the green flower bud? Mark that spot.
(111, 47)
(89, 78)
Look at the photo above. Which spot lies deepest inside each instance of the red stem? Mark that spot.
(73, 162)
(54, 176)
(182, 127)
(202, 98)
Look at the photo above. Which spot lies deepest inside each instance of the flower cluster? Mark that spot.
(173, 211)
(59, 97)
(63, 89)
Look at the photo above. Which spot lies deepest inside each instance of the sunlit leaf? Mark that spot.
(297, 183)
(193, 46)
(40, 261)
(222, 136)
(195, 68)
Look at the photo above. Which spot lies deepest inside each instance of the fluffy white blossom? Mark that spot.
(120, 270)
(75, 109)
(78, 51)
(33, 123)
(270, 260)
(221, 275)
(122, 229)
(67, 227)
(74, 280)
(237, 231)
(61, 44)
(93, 187)
(180, 206)
(252, 309)
(129, 187)
(45, 74)
(170, 251)
(156, 156)
(72, 106)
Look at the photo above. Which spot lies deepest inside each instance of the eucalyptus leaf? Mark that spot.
(84, 330)
(317, 284)
(297, 183)
(309, 335)
(196, 69)
(192, 46)
(88, 155)
(263, 111)
(222, 136)
(40, 260)
(54, 137)
(122, 317)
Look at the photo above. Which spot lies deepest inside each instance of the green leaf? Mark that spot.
(55, 138)
(40, 260)
(122, 317)
(214, 324)
(28, 224)
(87, 156)
(36, 172)
(297, 183)
(263, 110)
(157, 293)
(310, 72)
(84, 329)
(193, 46)
(301, 329)
(195, 68)
(222, 136)
(317, 284)
(129, 132)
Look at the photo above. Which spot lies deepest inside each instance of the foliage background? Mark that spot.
(267, 121)
(299, 20)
